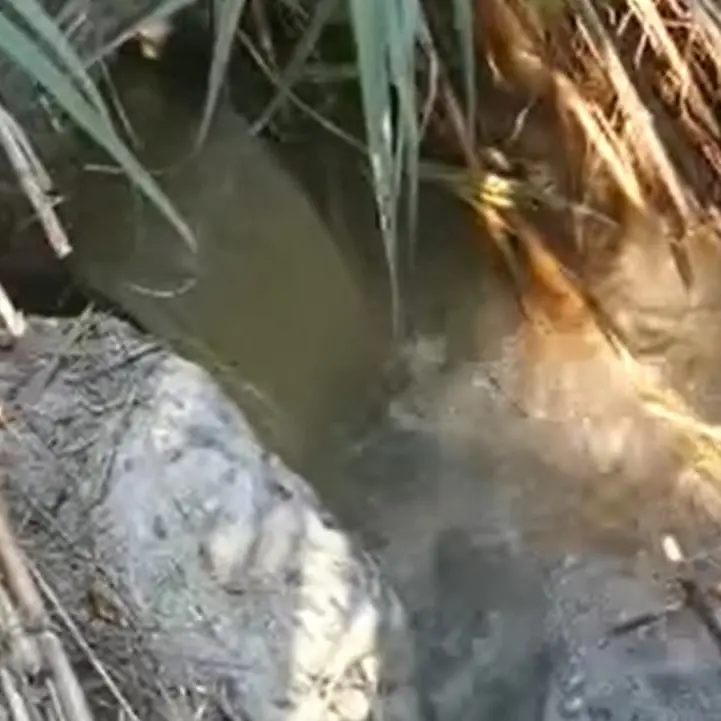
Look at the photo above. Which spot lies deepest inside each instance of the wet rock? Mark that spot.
(664, 668)
(223, 556)
(514, 616)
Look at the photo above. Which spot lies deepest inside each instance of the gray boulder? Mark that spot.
(221, 558)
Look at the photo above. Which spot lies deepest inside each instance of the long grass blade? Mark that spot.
(29, 56)
(406, 25)
(387, 35)
(372, 42)
(463, 20)
(227, 14)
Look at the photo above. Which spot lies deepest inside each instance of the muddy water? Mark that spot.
(286, 296)
(289, 308)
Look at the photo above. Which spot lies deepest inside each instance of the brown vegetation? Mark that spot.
(603, 203)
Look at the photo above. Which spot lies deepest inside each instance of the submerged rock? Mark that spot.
(191, 536)
(523, 607)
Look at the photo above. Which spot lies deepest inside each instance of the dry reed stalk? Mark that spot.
(37, 186)
(35, 642)
(642, 137)
(77, 636)
(515, 49)
(601, 140)
(660, 41)
(34, 181)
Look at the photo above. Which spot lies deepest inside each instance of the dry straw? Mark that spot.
(632, 87)
(35, 673)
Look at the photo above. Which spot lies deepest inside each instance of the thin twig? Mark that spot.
(23, 648)
(77, 636)
(642, 620)
(696, 600)
(30, 395)
(70, 695)
(19, 581)
(695, 597)
(34, 180)
(15, 699)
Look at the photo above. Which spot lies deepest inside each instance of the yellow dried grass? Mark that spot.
(600, 94)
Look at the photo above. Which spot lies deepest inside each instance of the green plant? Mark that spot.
(389, 35)
(30, 38)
